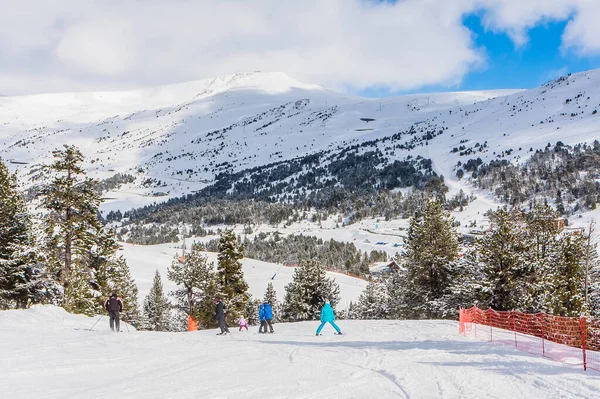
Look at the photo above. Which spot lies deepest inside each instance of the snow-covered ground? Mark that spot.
(143, 261)
(47, 353)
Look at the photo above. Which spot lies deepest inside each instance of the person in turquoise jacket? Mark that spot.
(327, 316)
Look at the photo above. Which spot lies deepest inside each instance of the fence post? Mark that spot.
(514, 317)
(583, 328)
(474, 324)
(490, 323)
(542, 327)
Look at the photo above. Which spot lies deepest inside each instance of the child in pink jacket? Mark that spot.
(242, 323)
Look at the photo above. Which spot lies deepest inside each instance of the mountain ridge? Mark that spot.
(177, 139)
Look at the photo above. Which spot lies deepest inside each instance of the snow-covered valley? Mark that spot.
(48, 353)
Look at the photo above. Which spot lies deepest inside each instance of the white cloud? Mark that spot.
(347, 44)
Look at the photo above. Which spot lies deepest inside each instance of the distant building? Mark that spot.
(383, 268)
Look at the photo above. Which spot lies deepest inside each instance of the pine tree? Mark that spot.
(157, 309)
(502, 252)
(23, 278)
(542, 258)
(466, 288)
(196, 278)
(591, 273)
(121, 281)
(307, 292)
(72, 228)
(251, 311)
(372, 303)
(233, 289)
(78, 297)
(431, 246)
(72, 222)
(567, 278)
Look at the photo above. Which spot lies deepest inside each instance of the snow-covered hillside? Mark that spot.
(144, 260)
(175, 139)
(47, 353)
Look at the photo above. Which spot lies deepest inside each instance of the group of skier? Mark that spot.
(114, 305)
(265, 315)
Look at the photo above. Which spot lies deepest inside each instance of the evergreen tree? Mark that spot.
(23, 277)
(307, 292)
(567, 280)
(543, 257)
(501, 252)
(196, 278)
(431, 246)
(157, 309)
(251, 311)
(72, 222)
(372, 303)
(233, 289)
(121, 281)
(78, 298)
(465, 290)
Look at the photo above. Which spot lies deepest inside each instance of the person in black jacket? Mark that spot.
(221, 317)
(113, 306)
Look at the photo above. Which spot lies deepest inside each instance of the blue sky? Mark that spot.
(507, 66)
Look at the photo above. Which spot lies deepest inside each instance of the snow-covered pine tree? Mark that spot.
(78, 297)
(271, 297)
(502, 253)
(251, 311)
(430, 247)
(195, 277)
(307, 292)
(567, 278)
(121, 280)
(232, 287)
(591, 272)
(398, 293)
(543, 253)
(23, 277)
(465, 289)
(72, 223)
(373, 302)
(157, 309)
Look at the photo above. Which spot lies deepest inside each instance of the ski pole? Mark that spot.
(96, 322)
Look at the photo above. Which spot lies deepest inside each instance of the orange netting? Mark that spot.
(571, 340)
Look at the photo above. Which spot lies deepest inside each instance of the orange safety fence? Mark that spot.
(570, 340)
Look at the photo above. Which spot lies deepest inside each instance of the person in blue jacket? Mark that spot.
(268, 316)
(327, 316)
(261, 318)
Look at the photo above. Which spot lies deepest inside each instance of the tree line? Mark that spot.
(63, 255)
(524, 262)
(199, 283)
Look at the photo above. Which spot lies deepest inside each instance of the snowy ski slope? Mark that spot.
(47, 353)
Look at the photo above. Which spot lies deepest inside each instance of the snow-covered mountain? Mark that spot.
(177, 139)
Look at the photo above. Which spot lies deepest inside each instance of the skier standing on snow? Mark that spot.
(221, 317)
(327, 316)
(242, 323)
(261, 318)
(268, 313)
(113, 306)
